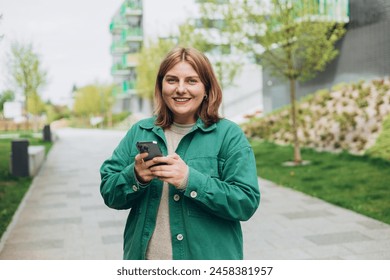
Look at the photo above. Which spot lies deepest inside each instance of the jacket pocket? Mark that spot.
(206, 165)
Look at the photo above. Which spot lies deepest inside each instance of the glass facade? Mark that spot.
(364, 53)
(337, 10)
(136, 21)
(127, 40)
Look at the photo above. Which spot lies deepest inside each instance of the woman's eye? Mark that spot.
(192, 82)
(170, 81)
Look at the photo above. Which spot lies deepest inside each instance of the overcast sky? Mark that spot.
(71, 36)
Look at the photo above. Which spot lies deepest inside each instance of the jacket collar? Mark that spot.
(201, 125)
(149, 124)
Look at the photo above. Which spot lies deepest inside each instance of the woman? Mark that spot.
(189, 203)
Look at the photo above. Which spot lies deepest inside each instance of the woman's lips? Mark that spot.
(181, 99)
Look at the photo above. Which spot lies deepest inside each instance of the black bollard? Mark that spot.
(46, 133)
(19, 158)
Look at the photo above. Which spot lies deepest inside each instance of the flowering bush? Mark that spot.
(348, 117)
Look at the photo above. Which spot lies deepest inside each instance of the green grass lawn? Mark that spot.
(12, 189)
(358, 183)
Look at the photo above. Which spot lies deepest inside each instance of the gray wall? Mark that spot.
(364, 54)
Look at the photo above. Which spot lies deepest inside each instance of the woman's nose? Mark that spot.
(181, 88)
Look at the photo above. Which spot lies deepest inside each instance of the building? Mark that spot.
(135, 22)
(364, 53)
(127, 39)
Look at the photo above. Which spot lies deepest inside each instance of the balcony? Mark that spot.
(120, 70)
(124, 89)
(131, 8)
(130, 60)
(129, 86)
(216, 2)
(337, 10)
(117, 25)
(132, 34)
(327, 10)
(116, 91)
(125, 66)
(119, 47)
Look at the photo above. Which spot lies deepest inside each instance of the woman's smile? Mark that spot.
(183, 92)
(181, 100)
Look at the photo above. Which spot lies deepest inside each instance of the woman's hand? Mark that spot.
(173, 171)
(142, 168)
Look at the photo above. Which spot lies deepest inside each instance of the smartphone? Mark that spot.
(150, 147)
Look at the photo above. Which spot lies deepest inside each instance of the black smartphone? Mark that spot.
(150, 147)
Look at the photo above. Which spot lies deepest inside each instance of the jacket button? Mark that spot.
(135, 188)
(193, 194)
(176, 197)
(180, 237)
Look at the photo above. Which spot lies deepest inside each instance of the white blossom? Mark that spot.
(371, 112)
(355, 135)
(355, 94)
(336, 94)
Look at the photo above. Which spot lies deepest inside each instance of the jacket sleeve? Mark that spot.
(119, 187)
(233, 196)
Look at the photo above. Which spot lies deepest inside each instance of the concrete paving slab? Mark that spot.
(295, 226)
(63, 216)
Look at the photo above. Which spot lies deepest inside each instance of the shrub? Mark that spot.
(347, 118)
(381, 148)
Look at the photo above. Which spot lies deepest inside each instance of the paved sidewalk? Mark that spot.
(64, 217)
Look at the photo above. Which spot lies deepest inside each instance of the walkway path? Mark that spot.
(64, 217)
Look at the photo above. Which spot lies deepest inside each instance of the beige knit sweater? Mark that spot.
(160, 245)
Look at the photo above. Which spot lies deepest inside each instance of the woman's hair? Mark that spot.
(208, 110)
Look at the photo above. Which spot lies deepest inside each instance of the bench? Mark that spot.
(36, 157)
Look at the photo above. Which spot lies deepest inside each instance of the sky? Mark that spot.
(71, 37)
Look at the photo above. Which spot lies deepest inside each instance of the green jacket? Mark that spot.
(222, 190)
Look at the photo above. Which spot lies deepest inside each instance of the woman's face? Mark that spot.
(183, 92)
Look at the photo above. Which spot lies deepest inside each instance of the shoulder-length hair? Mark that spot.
(208, 110)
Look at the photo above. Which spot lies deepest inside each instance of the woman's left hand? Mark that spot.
(174, 171)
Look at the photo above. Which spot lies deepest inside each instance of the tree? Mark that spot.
(149, 60)
(199, 34)
(107, 101)
(27, 75)
(292, 40)
(93, 100)
(210, 33)
(35, 104)
(189, 36)
(216, 40)
(56, 112)
(6, 95)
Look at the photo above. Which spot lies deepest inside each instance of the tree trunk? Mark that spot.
(27, 114)
(109, 118)
(297, 150)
